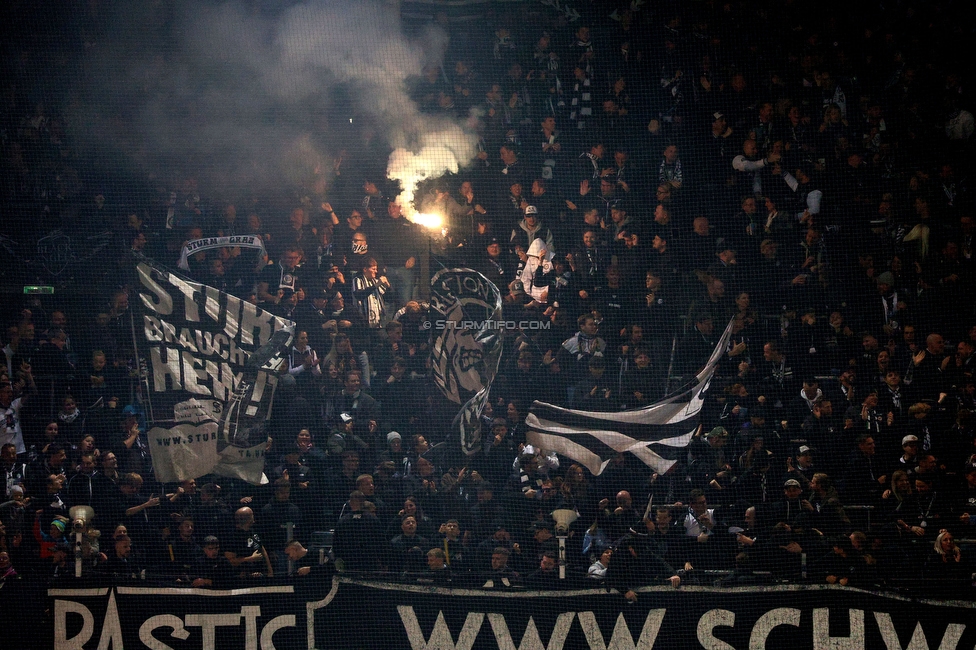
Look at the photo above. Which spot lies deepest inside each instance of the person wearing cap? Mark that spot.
(756, 485)
(802, 469)
(394, 451)
(620, 224)
(590, 163)
(538, 541)
(530, 228)
(800, 407)
(718, 149)
(511, 170)
(697, 346)
(908, 460)
(807, 195)
(790, 506)
(509, 206)
(726, 265)
(345, 437)
(131, 446)
(495, 263)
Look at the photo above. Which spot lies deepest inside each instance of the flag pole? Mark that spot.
(142, 369)
(667, 385)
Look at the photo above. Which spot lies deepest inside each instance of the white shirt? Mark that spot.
(10, 431)
(693, 527)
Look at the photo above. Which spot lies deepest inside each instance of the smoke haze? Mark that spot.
(245, 101)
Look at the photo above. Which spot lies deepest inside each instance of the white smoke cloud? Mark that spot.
(246, 100)
(425, 146)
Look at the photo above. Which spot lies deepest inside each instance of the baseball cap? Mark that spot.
(804, 450)
(531, 209)
(792, 483)
(909, 438)
(211, 540)
(717, 115)
(717, 432)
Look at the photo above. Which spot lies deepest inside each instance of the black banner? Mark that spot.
(362, 614)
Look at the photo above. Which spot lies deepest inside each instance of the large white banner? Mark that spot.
(212, 362)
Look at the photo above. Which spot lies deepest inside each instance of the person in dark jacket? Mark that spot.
(634, 564)
(211, 569)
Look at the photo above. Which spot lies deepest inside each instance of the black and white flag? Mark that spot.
(657, 434)
(465, 312)
(211, 362)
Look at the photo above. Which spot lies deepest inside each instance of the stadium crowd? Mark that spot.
(643, 178)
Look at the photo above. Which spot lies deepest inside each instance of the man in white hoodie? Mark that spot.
(535, 265)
